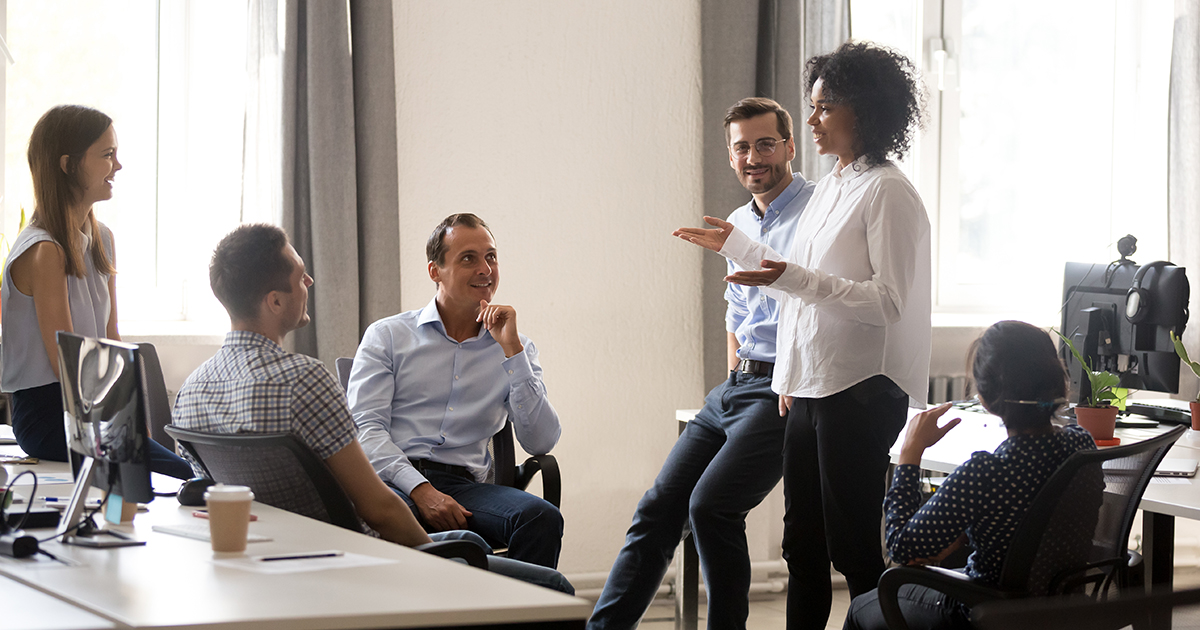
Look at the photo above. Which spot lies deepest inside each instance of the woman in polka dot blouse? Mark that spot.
(1020, 378)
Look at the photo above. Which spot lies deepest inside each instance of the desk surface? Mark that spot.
(175, 581)
(25, 608)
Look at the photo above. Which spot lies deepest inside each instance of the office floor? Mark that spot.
(767, 612)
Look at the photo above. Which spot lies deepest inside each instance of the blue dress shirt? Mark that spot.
(751, 315)
(418, 394)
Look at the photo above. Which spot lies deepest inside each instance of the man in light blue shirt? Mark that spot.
(731, 455)
(430, 387)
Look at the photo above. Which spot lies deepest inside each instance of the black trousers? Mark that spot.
(835, 460)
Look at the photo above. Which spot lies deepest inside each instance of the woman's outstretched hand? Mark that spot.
(708, 239)
(770, 272)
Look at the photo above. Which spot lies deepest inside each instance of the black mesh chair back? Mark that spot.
(1092, 491)
(280, 469)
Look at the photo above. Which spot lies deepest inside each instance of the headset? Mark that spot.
(1137, 301)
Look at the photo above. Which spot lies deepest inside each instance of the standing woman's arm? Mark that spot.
(111, 330)
(41, 274)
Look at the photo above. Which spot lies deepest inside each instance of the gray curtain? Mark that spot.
(340, 197)
(753, 48)
(1183, 169)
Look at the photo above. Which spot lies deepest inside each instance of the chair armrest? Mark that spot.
(551, 479)
(464, 549)
(965, 589)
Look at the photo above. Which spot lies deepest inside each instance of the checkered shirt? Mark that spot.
(253, 385)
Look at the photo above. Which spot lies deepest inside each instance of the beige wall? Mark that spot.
(574, 130)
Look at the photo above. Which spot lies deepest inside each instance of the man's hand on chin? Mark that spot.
(439, 510)
(501, 321)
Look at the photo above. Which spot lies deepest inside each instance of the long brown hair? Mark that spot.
(65, 130)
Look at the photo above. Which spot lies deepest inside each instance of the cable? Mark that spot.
(85, 524)
(4, 527)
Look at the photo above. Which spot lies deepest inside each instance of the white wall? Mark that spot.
(573, 129)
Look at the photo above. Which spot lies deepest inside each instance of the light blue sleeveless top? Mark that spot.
(23, 360)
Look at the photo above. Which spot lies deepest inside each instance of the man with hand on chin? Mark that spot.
(430, 387)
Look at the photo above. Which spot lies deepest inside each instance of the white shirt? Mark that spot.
(855, 297)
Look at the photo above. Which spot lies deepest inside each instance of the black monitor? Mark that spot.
(1096, 318)
(104, 408)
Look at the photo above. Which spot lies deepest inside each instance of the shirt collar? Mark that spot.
(852, 170)
(430, 315)
(787, 196)
(251, 338)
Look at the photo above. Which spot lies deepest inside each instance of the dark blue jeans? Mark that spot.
(529, 526)
(37, 418)
(726, 462)
(922, 607)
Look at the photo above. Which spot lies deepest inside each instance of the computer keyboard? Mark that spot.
(1160, 413)
(199, 531)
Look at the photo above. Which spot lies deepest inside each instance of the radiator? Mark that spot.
(947, 387)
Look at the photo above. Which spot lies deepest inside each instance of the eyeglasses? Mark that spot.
(765, 147)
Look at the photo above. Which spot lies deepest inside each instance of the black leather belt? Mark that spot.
(749, 366)
(423, 465)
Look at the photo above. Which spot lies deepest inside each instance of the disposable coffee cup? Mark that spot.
(228, 516)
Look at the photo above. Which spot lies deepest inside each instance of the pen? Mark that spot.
(301, 556)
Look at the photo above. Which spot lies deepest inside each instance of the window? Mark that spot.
(172, 75)
(1047, 139)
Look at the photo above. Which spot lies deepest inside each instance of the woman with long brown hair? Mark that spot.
(60, 276)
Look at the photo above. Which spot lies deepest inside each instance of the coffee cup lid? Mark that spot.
(222, 492)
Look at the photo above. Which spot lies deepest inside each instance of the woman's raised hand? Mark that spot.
(708, 239)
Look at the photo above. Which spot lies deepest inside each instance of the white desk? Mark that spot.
(1160, 504)
(174, 582)
(23, 608)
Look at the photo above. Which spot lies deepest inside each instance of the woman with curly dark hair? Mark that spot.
(854, 330)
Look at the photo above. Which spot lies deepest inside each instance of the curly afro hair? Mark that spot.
(881, 86)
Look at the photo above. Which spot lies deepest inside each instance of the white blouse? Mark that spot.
(855, 297)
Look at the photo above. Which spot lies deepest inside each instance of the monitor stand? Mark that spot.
(75, 516)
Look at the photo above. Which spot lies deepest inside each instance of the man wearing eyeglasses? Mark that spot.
(730, 456)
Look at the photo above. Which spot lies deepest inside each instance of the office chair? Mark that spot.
(158, 409)
(1073, 539)
(285, 473)
(502, 448)
(1179, 609)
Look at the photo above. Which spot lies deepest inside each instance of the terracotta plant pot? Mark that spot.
(1195, 405)
(1099, 421)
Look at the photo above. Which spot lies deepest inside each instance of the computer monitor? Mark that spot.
(1095, 318)
(104, 409)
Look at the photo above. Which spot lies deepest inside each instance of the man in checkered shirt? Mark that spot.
(253, 385)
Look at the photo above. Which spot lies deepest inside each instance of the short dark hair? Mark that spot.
(435, 248)
(248, 264)
(1014, 361)
(748, 108)
(881, 86)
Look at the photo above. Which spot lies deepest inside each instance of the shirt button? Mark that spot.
(456, 377)
(520, 406)
(510, 371)
(764, 231)
(452, 409)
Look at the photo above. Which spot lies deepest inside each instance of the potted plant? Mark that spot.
(1096, 413)
(1183, 354)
